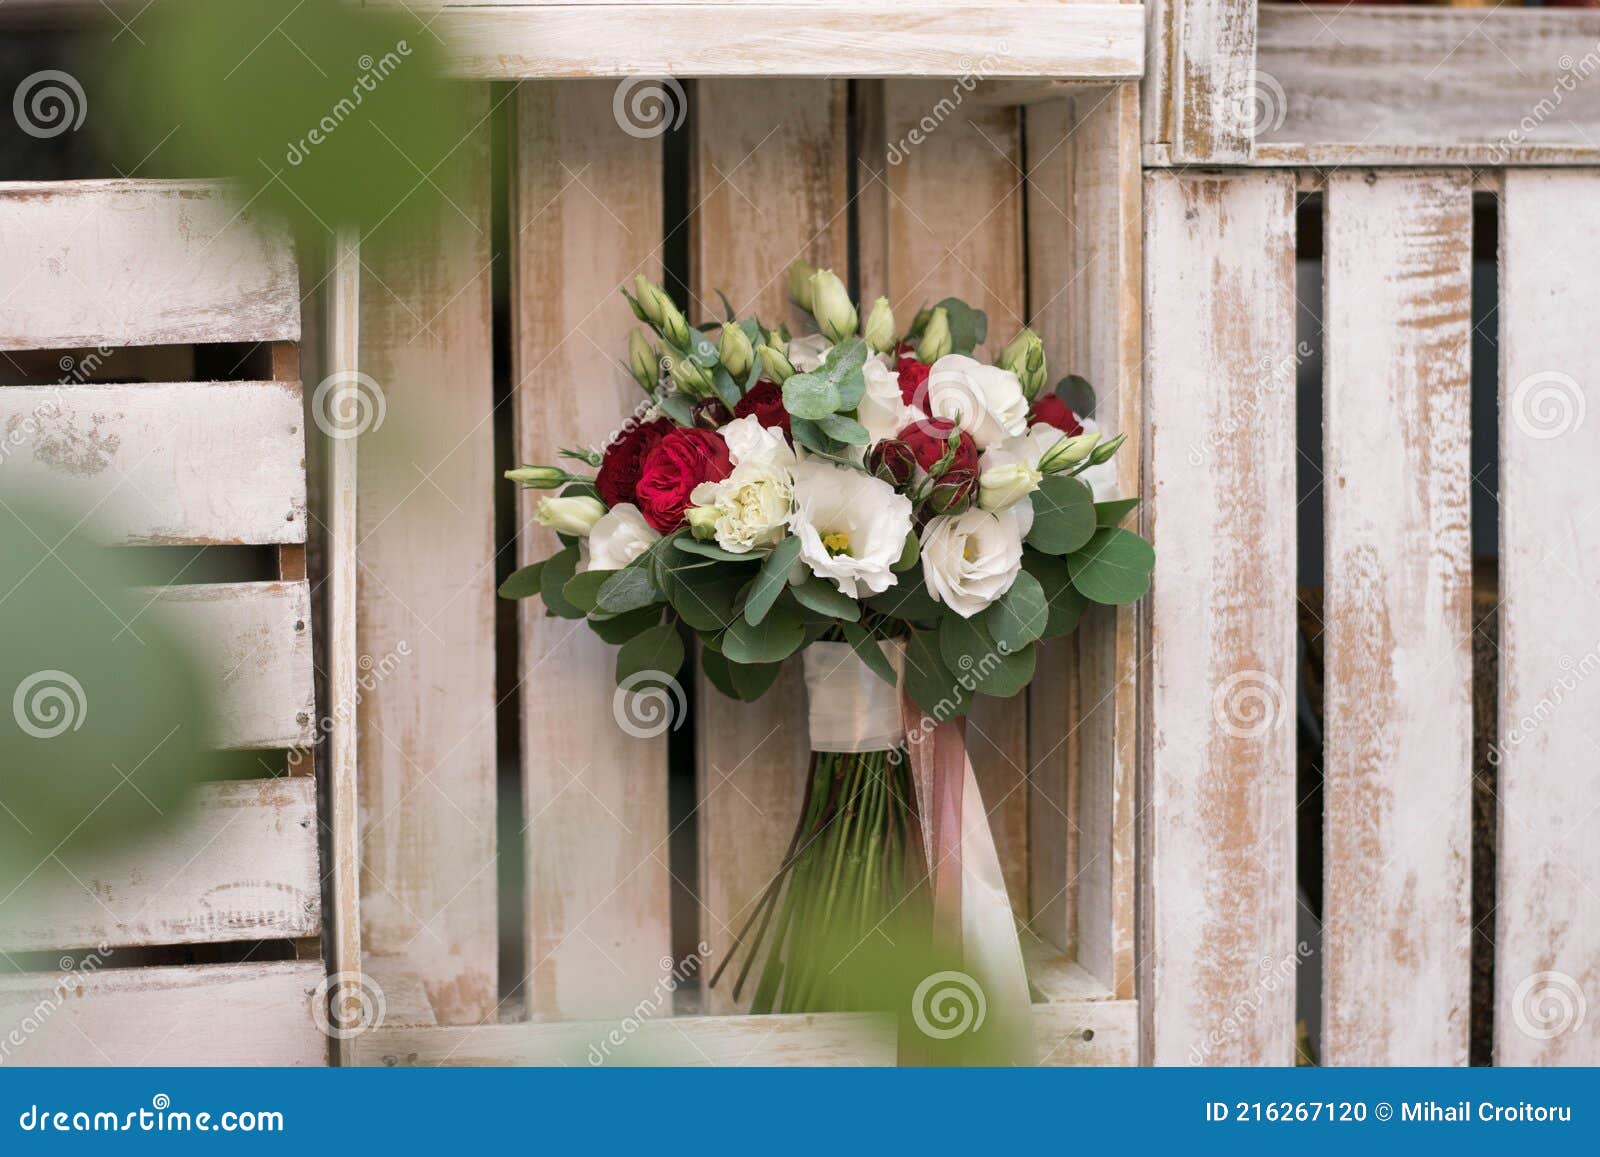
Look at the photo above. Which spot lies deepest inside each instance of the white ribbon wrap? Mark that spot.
(852, 708)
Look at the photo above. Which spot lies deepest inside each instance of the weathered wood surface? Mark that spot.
(1397, 688)
(773, 150)
(208, 1014)
(1402, 85)
(128, 263)
(253, 643)
(190, 462)
(1547, 916)
(1040, 38)
(1219, 877)
(240, 865)
(1203, 88)
(426, 580)
(586, 217)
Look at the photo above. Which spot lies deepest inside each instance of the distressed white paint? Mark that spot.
(188, 462)
(1547, 914)
(127, 263)
(1219, 380)
(1209, 70)
(1397, 731)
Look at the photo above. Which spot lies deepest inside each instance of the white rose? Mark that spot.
(570, 515)
(987, 400)
(882, 410)
(852, 527)
(752, 505)
(969, 560)
(620, 536)
(751, 443)
(807, 353)
(1102, 479)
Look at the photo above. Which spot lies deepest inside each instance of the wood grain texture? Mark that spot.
(770, 170)
(1397, 691)
(1219, 380)
(253, 643)
(163, 464)
(126, 263)
(240, 865)
(1210, 71)
(588, 216)
(1040, 38)
(426, 580)
(1547, 919)
(938, 238)
(208, 1014)
(1405, 85)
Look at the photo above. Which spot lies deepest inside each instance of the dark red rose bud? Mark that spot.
(913, 377)
(682, 460)
(930, 439)
(710, 413)
(1052, 411)
(954, 493)
(618, 478)
(892, 461)
(764, 402)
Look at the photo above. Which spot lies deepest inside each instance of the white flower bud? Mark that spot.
(735, 351)
(831, 306)
(570, 515)
(1068, 452)
(539, 477)
(935, 342)
(880, 327)
(1004, 486)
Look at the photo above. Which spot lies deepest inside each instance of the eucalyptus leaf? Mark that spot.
(983, 663)
(909, 554)
(1063, 515)
(931, 685)
(1112, 512)
(677, 407)
(558, 571)
(742, 681)
(1055, 578)
(582, 590)
(522, 583)
(706, 598)
(627, 590)
(811, 435)
(1113, 567)
(712, 550)
(810, 396)
(820, 595)
(1020, 615)
(658, 651)
(908, 599)
(1078, 394)
(775, 638)
(870, 653)
(968, 327)
(617, 629)
(726, 388)
(772, 579)
(845, 429)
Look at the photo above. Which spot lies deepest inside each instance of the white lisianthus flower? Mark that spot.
(852, 527)
(752, 505)
(969, 560)
(620, 536)
(1102, 479)
(882, 410)
(576, 515)
(807, 353)
(1001, 487)
(1027, 449)
(987, 400)
(751, 443)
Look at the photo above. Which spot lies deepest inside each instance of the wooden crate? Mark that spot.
(139, 272)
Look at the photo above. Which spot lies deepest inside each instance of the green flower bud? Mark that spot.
(690, 378)
(662, 312)
(935, 341)
(570, 515)
(1067, 452)
(800, 275)
(776, 364)
(1104, 451)
(645, 294)
(831, 306)
(643, 361)
(702, 522)
(880, 327)
(734, 351)
(1025, 358)
(540, 477)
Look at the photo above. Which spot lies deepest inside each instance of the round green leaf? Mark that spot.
(627, 590)
(931, 685)
(908, 599)
(1055, 578)
(657, 651)
(1021, 614)
(583, 589)
(523, 583)
(616, 629)
(810, 396)
(821, 596)
(1113, 567)
(984, 665)
(558, 571)
(1063, 515)
(772, 579)
(775, 638)
(707, 598)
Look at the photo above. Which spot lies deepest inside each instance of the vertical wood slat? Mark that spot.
(769, 189)
(426, 580)
(935, 236)
(587, 217)
(1219, 880)
(1209, 70)
(1547, 920)
(1398, 660)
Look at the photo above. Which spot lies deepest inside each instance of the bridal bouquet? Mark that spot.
(914, 520)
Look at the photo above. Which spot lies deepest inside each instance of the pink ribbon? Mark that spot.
(938, 757)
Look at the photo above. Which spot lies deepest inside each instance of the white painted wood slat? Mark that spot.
(1547, 916)
(1219, 382)
(163, 464)
(241, 865)
(1398, 656)
(130, 263)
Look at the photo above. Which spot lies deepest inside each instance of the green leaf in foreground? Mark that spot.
(616, 629)
(584, 588)
(628, 589)
(745, 682)
(772, 580)
(522, 584)
(1113, 567)
(558, 571)
(1063, 515)
(870, 653)
(1020, 615)
(775, 638)
(1055, 578)
(931, 685)
(1112, 512)
(820, 595)
(658, 650)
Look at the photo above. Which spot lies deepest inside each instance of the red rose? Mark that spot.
(1052, 411)
(913, 380)
(764, 402)
(680, 461)
(624, 458)
(930, 439)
